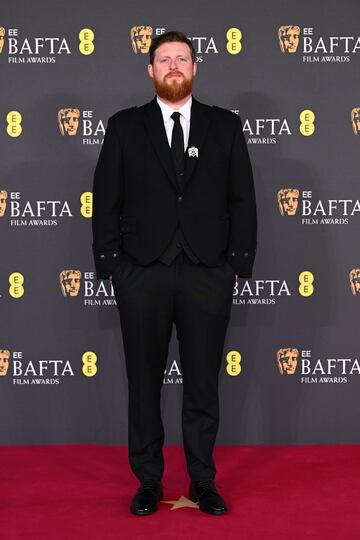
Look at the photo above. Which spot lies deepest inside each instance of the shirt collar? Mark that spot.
(167, 111)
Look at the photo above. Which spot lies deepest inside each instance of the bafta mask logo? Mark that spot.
(141, 38)
(70, 282)
(288, 200)
(2, 38)
(289, 38)
(287, 361)
(3, 197)
(4, 362)
(68, 120)
(354, 278)
(355, 120)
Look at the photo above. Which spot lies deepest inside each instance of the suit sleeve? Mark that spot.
(107, 200)
(242, 207)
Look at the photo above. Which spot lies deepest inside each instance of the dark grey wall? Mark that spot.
(318, 402)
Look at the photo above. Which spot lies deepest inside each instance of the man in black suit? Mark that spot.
(174, 224)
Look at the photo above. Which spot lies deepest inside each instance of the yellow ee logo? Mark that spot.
(233, 359)
(86, 200)
(16, 288)
(307, 126)
(306, 279)
(233, 44)
(14, 128)
(86, 45)
(89, 368)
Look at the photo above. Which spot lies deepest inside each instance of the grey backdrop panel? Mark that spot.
(318, 402)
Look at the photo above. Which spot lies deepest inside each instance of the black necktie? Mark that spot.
(177, 146)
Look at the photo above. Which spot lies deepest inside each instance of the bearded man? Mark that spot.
(174, 225)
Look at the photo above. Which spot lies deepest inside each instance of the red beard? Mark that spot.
(173, 90)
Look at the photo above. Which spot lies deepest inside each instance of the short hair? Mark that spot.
(167, 38)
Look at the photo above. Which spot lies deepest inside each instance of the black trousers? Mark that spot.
(198, 299)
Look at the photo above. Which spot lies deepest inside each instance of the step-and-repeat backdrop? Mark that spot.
(291, 372)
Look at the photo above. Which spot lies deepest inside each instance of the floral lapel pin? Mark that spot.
(193, 151)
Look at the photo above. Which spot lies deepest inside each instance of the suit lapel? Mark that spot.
(199, 127)
(155, 128)
(154, 124)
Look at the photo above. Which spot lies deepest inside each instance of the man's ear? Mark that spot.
(150, 70)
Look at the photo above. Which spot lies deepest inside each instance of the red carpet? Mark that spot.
(273, 492)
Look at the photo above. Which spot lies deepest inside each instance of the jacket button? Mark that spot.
(102, 255)
(114, 254)
(246, 254)
(233, 253)
(179, 198)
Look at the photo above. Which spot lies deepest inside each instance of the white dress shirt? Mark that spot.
(185, 114)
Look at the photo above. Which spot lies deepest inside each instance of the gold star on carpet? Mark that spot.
(182, 502)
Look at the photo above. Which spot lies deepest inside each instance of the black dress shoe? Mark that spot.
(149, 493)
(204, 492)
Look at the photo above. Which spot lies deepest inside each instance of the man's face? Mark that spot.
(172, 71)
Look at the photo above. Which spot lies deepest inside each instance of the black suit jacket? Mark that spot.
(137, 203)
